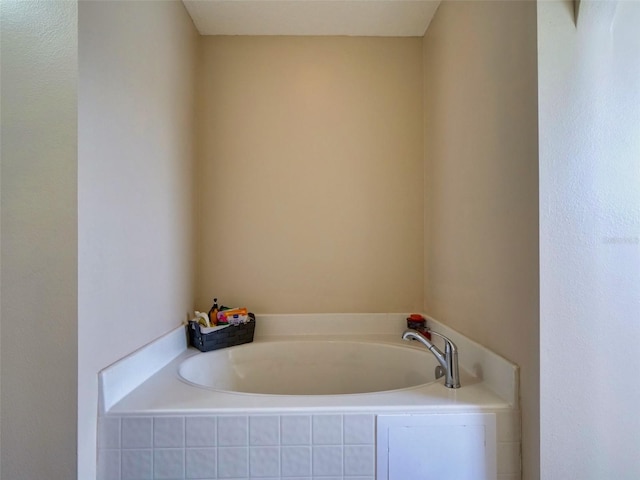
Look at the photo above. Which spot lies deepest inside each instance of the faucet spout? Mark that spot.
(432, 348)
(447, 360)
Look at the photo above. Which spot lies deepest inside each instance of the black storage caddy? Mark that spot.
(226, 337)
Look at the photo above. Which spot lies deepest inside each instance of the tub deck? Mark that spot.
(166, 393)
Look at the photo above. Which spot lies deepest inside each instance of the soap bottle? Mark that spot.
(213, 312)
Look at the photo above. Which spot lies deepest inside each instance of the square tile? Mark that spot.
(233, 462)
(168, 432)
(359, 430)
(233, 431)
(295, 429)
(109, 432)
(264, 462)
(327, 429)
(201, 462)
(296, 461)
(508, 458)
(264, 430)
(508, 426)
(359, 460)
(200, 431)
(168, 463)
(137, 464)
(109, 464)
(137, 432)
(327, 461)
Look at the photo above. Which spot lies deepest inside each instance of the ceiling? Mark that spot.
(379, 18)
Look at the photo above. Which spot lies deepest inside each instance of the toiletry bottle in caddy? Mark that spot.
(213, 312)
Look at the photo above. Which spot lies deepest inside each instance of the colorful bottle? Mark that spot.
(213, 312)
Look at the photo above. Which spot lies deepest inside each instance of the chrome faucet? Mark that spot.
(447, 360)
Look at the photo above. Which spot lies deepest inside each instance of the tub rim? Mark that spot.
(411, 346)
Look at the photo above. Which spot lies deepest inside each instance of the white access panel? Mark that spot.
(436, 447)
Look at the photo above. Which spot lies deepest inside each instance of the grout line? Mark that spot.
(217, 453)
(342, 445)
(153, 452)
(121, 444)
(311, 433)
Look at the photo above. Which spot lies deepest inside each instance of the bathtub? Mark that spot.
(300, 401)
(310, 367)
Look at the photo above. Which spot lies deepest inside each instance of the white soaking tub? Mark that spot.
(310, 367)
(314, 396)
(297, 363)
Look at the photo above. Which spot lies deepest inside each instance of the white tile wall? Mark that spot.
(201, 463)
(264, 462)
(327, 460)
(137, 432)
(233, 431)
(137, 464)
(359, 460)
(508, 458)
(264, 430)
(508, 426)
(109, 464)
(233, 462)
(264, 447)
(168, 432)
(359, 429)
(296, 429)
(296, 461)
(327, 429)
(508, 452)
(168, 463)
(109, 432)
(201, 431)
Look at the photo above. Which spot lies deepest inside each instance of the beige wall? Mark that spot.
(135, 186)
(39, 240)
(310, 175)
(481, 245)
